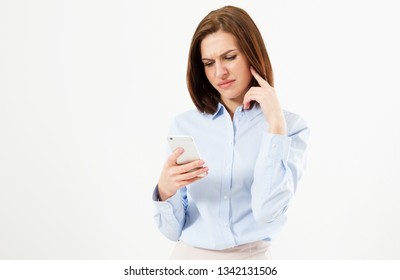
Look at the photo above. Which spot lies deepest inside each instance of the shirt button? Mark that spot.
(274, 145)
(225, 197)
(225, 224)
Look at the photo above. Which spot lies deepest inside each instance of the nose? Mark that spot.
(220, 70)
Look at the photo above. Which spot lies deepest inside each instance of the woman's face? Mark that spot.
(226, 67)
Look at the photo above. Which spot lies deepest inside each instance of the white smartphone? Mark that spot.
(187, 143)
(190, 150)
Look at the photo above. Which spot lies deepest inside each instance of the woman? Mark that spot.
(253, 152)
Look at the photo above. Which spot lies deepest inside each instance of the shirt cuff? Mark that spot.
(156, 195)
(174, 202)
(276, 146)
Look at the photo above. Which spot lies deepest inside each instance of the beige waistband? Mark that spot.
(258, 250)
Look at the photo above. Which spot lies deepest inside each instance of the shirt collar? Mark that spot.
(220, 110)
(250, 114)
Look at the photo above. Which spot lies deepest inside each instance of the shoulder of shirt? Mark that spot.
(192, 113)
(294, 121)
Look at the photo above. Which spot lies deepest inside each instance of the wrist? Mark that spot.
(276, 123)
(279, 128)
(163, 195)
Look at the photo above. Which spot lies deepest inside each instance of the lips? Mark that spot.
(226, 84)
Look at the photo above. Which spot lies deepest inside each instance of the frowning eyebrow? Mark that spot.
(222, 54)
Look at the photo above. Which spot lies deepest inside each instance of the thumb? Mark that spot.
(174, 156)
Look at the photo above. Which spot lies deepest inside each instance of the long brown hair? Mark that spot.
(232, 20)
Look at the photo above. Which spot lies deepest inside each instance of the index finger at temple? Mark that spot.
(261, 81)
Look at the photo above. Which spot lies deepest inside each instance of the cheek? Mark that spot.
(243, 70)
(249, 77)
(246, 74)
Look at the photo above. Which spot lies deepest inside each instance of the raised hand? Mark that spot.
(266, 96)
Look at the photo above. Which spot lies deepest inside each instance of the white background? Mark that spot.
(88, 89)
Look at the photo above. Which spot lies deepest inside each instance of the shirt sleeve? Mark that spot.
(170, 214)
(278, 169)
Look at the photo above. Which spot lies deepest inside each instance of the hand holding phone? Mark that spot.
(182, 168)
(190, 150)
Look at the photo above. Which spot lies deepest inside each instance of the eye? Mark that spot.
(208, 64)
(230, 57)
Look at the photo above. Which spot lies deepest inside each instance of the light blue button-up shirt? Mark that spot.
(252, 177)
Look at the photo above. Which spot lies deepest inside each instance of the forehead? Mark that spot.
(217, 43)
